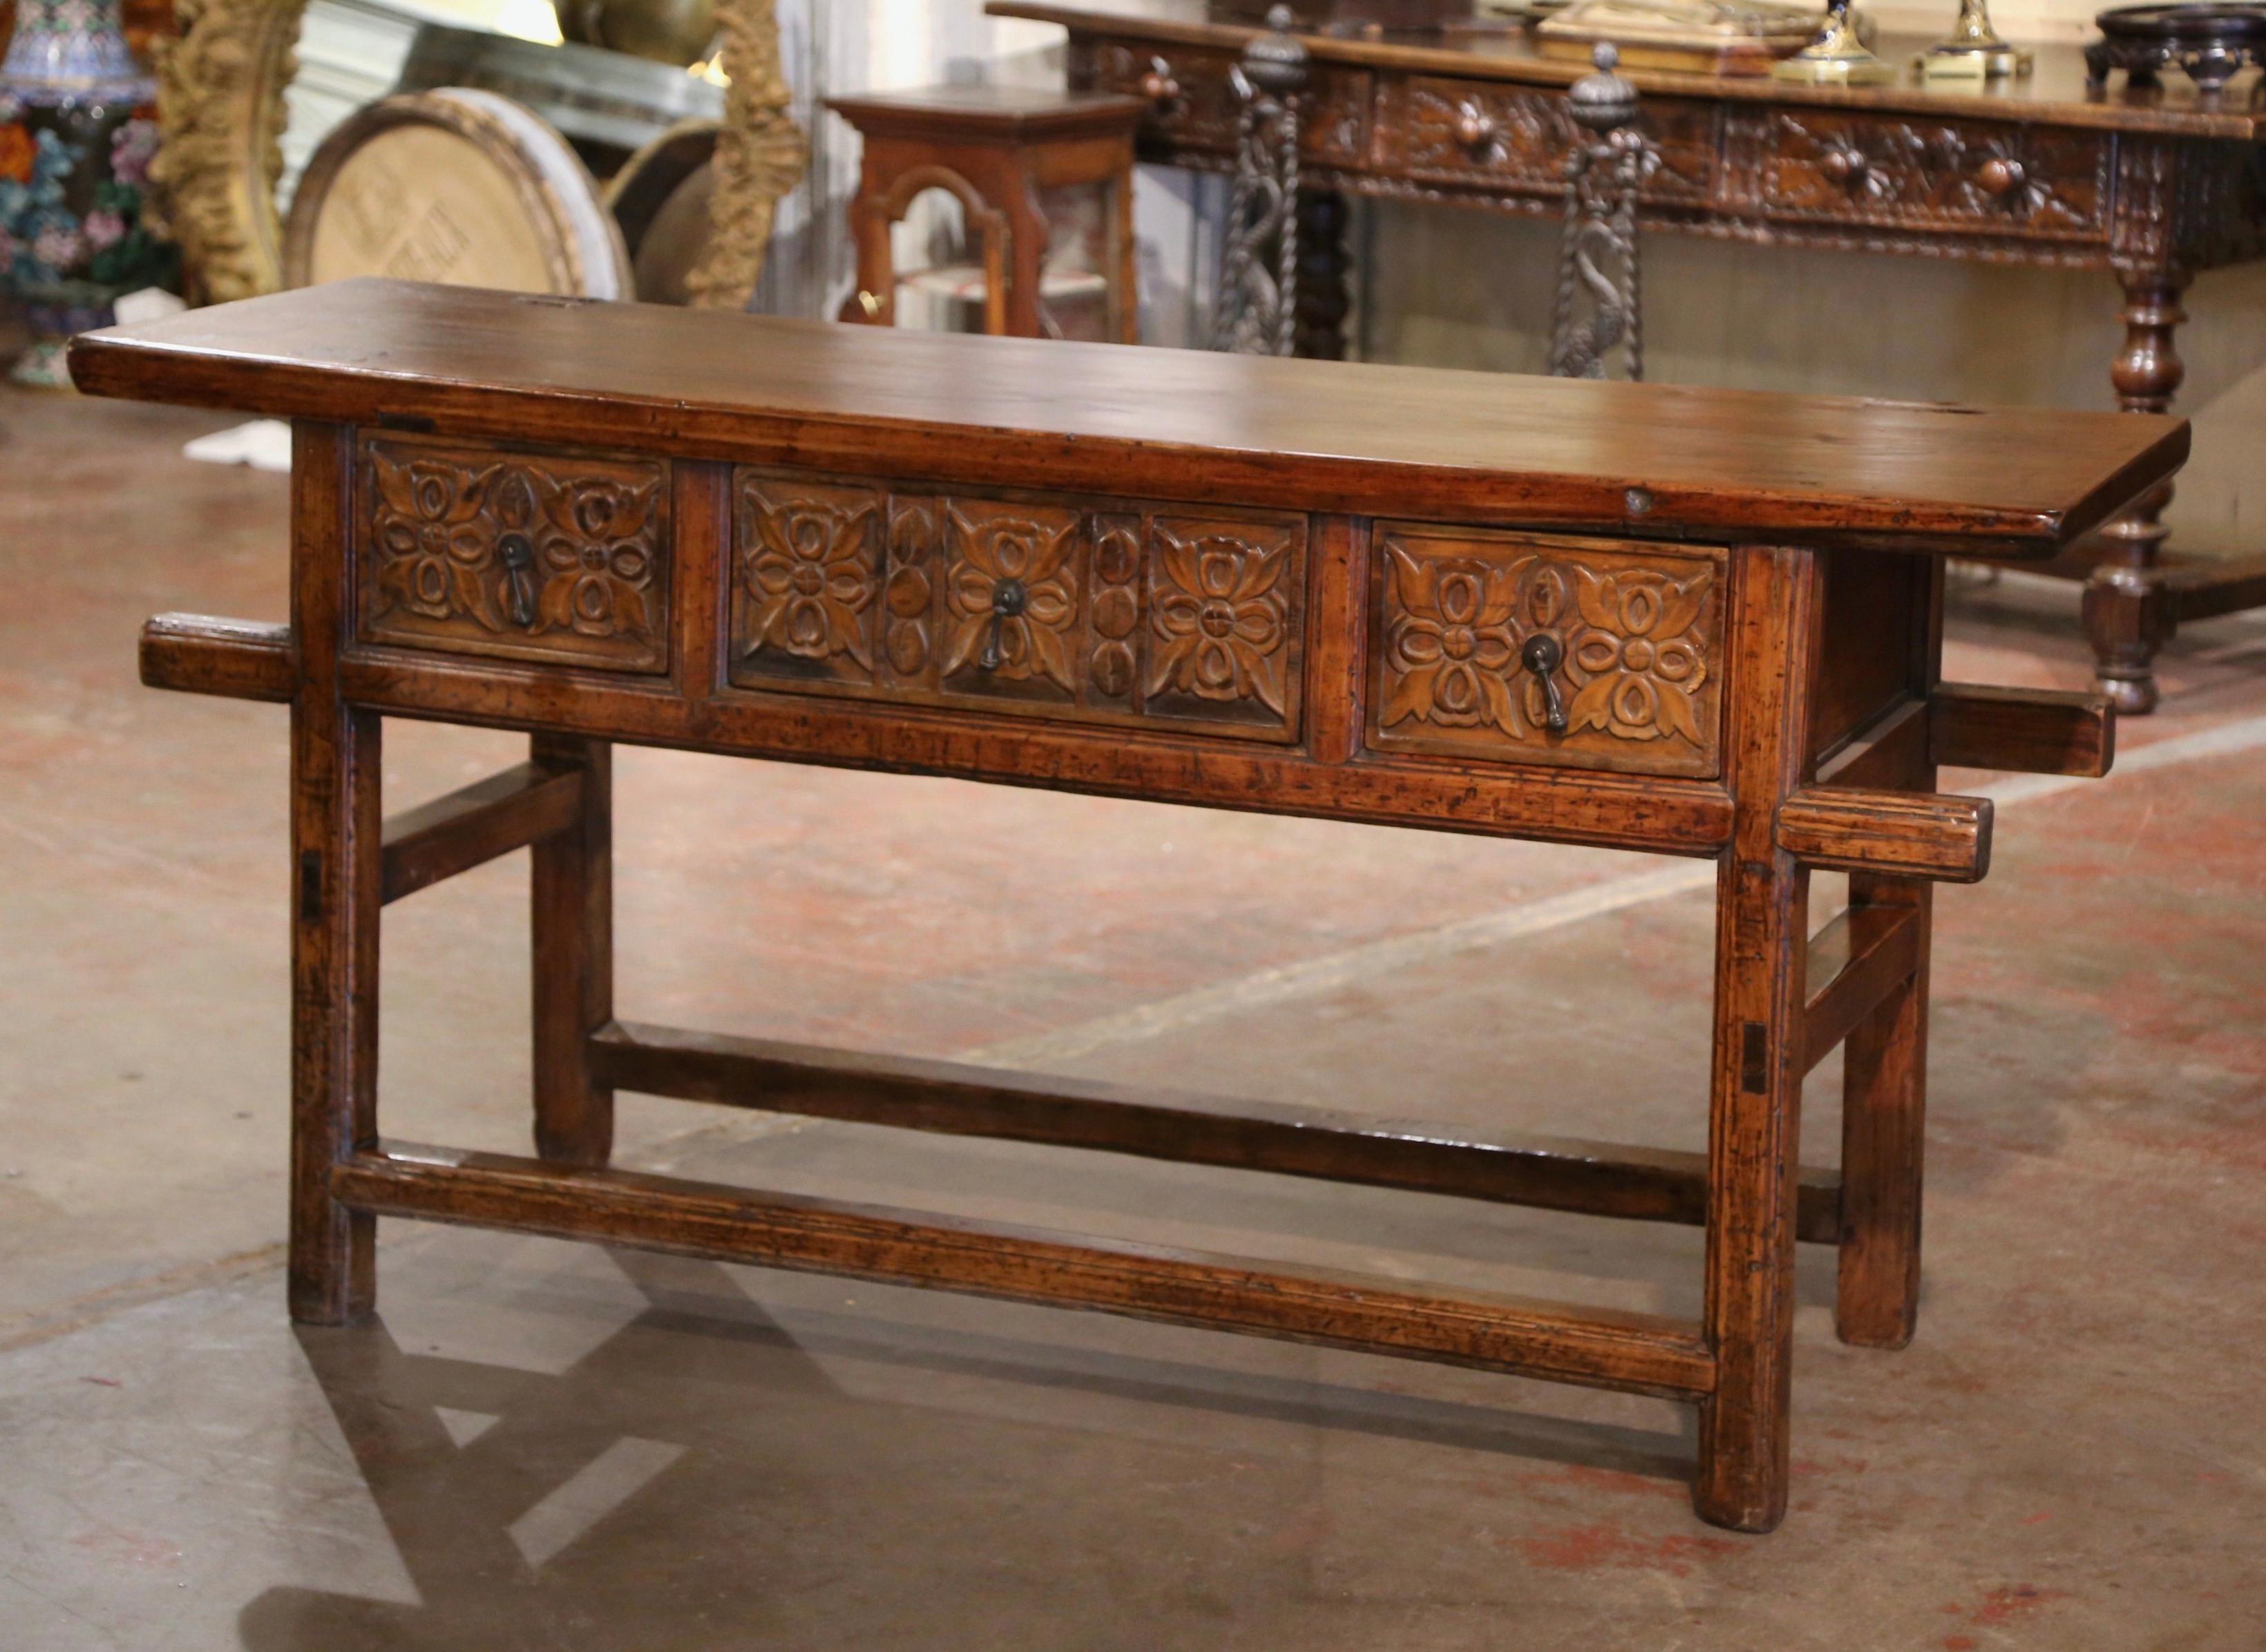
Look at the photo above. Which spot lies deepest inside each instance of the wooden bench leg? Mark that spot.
(573, 932)
(1755, 1103)
(335, 825)
(1883, 1121)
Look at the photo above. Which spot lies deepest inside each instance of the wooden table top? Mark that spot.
(2054, 93)
(1145, 422)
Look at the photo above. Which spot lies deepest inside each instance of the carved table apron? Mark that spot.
(1702, 623)
(2154, 184)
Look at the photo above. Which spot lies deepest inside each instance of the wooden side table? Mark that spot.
(1630, 615)
(1045, 182)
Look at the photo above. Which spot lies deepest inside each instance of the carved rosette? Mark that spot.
(1012, 607)
(1637, 635)
(808, 571)
(1093, 610)
(1219, 613)
(499, 552)
(1639, 649)
(1451, 642)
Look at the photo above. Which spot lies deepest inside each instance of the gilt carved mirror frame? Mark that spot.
(220, 102)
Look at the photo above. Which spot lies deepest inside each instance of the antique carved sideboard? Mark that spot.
(2153, 184)
(1650, 618)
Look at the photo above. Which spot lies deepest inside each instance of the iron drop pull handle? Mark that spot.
(1543, 655)
(519, 578)
(1008, 599)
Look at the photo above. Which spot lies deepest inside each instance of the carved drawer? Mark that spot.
(1478, 132)
(1481, 637)
(1986, 177)
(1193, 105)
(482, 549)
(1092, 611)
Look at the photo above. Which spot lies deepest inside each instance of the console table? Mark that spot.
(1693, 622)
(2153, 184)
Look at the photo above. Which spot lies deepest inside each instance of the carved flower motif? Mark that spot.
(1451, 644)
(1220, 617)
(812, 579)
(512, 547)
(595, 546)
(1011, 599)
(1642, 665)
(434, 536)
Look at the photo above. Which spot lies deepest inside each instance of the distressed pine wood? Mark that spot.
(1884, 1071)
(572, 942)
(1755, 1104)
(336, 827)
(1669, 817)
(204, 654)
(1878, 751)
(2035, 731)
(490, 548)
(1415, 442)
(1854, 966)
(1121, 503)
(957, 1099)
(1845, 830)
(1644, 1353)
(473, 825)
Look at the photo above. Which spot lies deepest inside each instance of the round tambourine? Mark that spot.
(459, 187)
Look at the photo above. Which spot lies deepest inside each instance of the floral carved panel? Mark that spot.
(1630, 670)
(527, 556)
(1092, 609)
(807, 570)
(1219, 615)
(1012, 599)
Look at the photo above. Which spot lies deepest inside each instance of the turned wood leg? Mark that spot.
(1884, 1130)
(1324, 296)
(572, 935)
(1755, 1104)
(336, 846)
(2127, 613)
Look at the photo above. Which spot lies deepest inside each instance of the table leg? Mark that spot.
(337, 831)
(2127, 611)
(572, 936)
(1323, 296)
(1754, 1120)
(1883, 1122)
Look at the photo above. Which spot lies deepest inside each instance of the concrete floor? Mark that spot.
(545, 1445)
